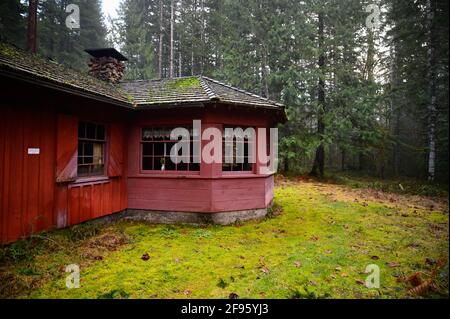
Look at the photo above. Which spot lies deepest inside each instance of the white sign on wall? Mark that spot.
(34, 151)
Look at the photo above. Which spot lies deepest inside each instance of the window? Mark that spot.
(156, 146)
(233, 162)
(91, 149)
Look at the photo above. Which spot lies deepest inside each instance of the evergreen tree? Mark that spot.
(12, 22)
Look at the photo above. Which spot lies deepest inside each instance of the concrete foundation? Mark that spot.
(222, 218)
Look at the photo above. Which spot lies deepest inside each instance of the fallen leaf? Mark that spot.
(360, 282)
(233, 296)
(315, 238)
(297, 264)
(374, 257)
(393, 264)
(415, 279)
(265, 270)
(344, 275)
(145, 257)
(423, 288)
(430, 261)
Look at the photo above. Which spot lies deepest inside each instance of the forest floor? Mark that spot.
(317, 243)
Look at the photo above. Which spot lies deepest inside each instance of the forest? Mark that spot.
(364, 82)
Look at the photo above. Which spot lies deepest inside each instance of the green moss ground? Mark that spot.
(317, 247)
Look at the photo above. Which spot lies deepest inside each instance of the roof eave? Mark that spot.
(30, 78)
(171, 105)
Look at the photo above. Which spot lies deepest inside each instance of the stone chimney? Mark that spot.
(106, 64)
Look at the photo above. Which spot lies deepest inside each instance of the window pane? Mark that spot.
(98, 153)
(97, 170)
(82, 130)
(159, 149)
(100, 132)
(169, 165)
(147, 163)
(158, 163)
(88, 149)
(169, 146)
(83, 170)
(90, 131)
(147, 149)
(147, 134)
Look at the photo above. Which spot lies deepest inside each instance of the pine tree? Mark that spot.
(12, 23)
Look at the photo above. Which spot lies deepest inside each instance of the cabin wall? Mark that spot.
(207, 191)
(31, 200)
(27, 187)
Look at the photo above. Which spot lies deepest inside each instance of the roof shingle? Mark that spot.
(16, 61)
(191, 89)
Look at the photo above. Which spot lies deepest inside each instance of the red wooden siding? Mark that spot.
(269, 190)
(27, 182)
(166, 194)
(116, 149)
(93, 200)
(66, 148)
(197, 194)
(234, 194)
(31, 199)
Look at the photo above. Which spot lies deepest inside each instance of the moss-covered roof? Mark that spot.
(166, 91)
(148, 93)
(29, 66)
(191, 89)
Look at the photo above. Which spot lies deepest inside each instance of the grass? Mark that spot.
(399, 185)
(316, 243)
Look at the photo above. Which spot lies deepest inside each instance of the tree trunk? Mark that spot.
(202, 37)
(161, 37)
(370, 59)
(180, 65)
(431, 90)
(32, 26)
(319, 161)
(396, 108)
(171, 68)
(286, 164)
(264, 73)
(397, 141)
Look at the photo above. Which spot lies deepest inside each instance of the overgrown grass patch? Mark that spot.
(317, 243)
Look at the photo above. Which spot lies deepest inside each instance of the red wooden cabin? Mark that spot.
(75, 148)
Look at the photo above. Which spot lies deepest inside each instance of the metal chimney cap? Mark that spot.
(106, 52)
